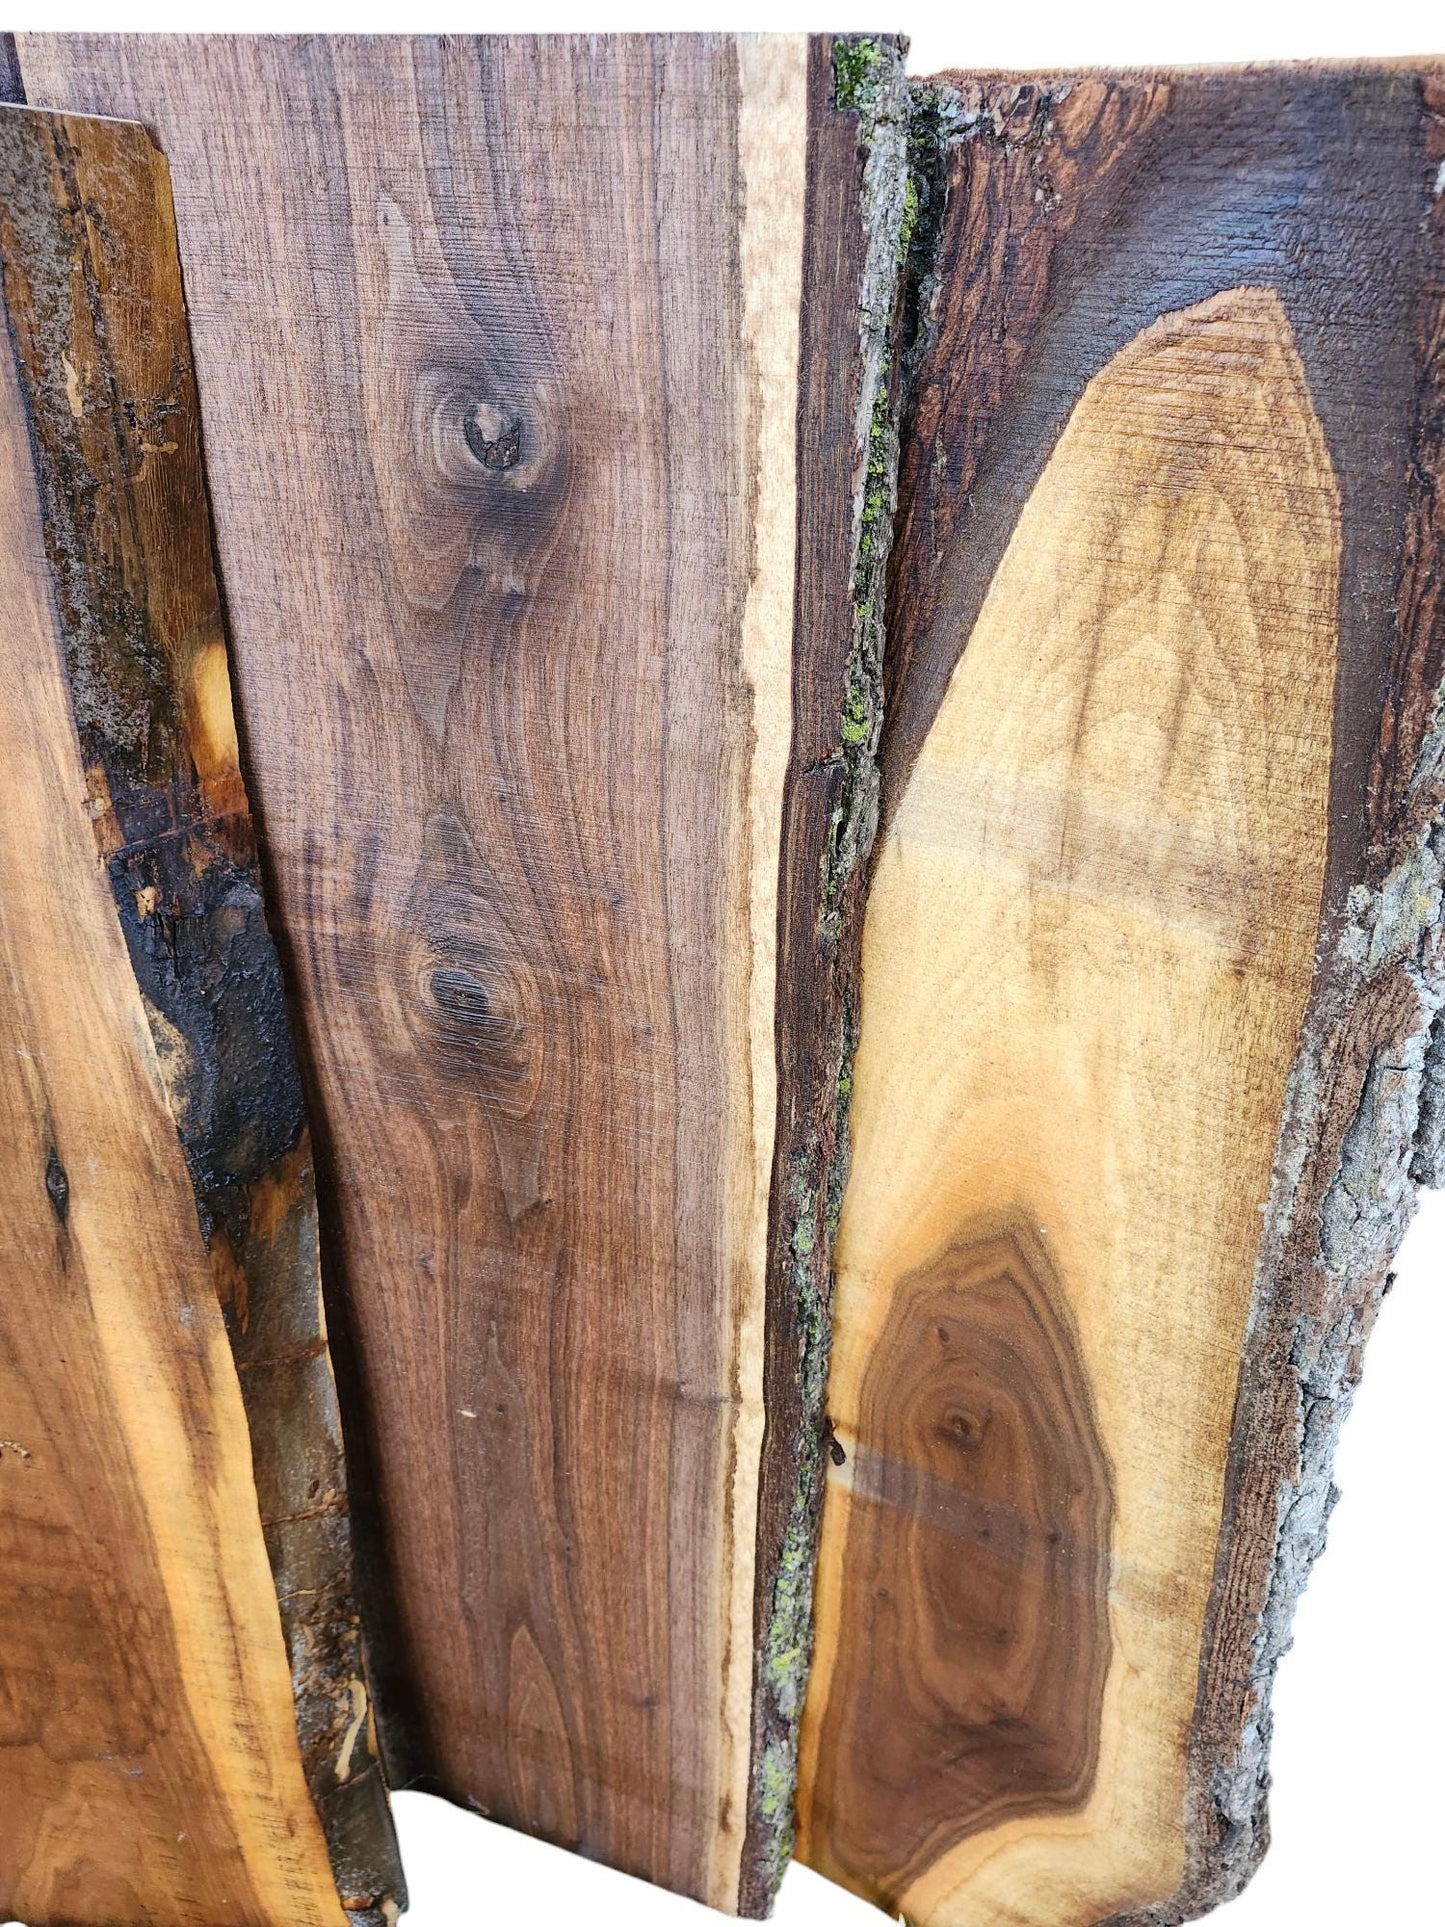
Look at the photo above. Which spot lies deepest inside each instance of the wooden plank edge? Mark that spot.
(859, 202)
(1365, 1118)
(148, 678)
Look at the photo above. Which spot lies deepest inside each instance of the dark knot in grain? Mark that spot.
(57, 1185)
(493, 435)
(477, 1018)
(477, 1008)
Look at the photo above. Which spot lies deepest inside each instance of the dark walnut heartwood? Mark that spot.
(156, 1763)
(1149, 1059)
(542, 392)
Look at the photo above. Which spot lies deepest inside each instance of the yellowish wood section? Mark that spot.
(1086, 961)
(772, 158)
(149, 1765)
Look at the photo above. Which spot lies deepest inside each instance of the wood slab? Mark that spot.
(1149, 1058)
(547, 394)
(185, 1719)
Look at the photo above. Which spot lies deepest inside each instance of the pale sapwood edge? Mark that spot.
(868, 83)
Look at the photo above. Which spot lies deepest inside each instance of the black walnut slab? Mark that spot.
(1150, 1048)
(185, 1717)
(548, 390)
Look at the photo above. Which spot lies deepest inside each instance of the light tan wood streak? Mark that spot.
(1087, 956)
(497, 346)
(772, 155)
(149, 1766)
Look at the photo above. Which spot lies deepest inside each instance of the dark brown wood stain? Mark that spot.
(977, 1567)
(1080, 209)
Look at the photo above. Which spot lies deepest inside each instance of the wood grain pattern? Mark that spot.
(1151, 960)
(1035, 160)
(499, 350)
(979, 1514)
(151, 1762)
(1086, 958)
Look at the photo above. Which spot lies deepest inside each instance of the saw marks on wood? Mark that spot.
(498, 342)
(118, 573)
(1087, 956)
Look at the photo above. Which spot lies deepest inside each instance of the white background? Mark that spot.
(1360, 1705)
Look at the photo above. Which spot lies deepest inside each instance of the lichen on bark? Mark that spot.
(868, 82)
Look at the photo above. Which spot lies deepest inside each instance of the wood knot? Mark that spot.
(478, 1006)
(57, 1185)
(493, 435)
(477, 1010)
(480, 449)
(964, 1429)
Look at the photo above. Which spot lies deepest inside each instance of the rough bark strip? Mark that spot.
(12, 88)
(93, 295)
(856, 238)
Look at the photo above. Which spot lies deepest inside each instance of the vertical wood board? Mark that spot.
(160, 1762)
(539, 557)
(1151, 971)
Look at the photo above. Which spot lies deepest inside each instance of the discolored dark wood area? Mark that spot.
(151, 1761)
(539, 558)
(977, 1556)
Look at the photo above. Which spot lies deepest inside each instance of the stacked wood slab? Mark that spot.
(574, 412)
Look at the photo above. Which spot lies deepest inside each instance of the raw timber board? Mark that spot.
(539, 380)
(165, 1394)
(1150, 967)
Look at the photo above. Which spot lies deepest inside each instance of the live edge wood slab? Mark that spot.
(547, 390)
(1150, 1056)
(550, 391)
(184, 1722)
